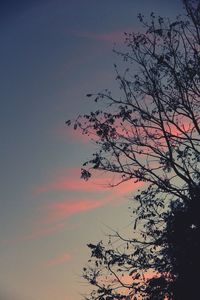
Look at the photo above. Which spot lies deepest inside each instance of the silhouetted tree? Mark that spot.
(150, 132)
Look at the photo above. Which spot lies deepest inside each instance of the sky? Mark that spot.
(52, 54)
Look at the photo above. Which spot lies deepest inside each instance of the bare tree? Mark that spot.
(151, 133)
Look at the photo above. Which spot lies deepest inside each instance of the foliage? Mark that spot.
(151, 133)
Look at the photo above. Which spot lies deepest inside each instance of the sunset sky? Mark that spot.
(54, 52)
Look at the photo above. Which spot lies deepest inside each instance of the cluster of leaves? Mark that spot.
(151, 133)
(129, 268)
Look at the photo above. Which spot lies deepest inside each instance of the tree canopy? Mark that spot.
(150, 132)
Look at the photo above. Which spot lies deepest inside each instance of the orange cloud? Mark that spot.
(127, 280)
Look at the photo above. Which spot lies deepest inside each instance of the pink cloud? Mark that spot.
(101, 185)
(119, 193)
(126, 187)
(77, 135)
(71, 181)
(128, 131)
(44, 231)
(66, 257)
(70, 133)
(184, 125)
(60, 210)
(37, 233)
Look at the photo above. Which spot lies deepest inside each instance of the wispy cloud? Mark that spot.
(87, 196)
(60, 210)
(69, 180)
(96, 194)
(74, 135)
(44, 231)
(128, 280)
(110, 37)
(37, 233)
(66, 257)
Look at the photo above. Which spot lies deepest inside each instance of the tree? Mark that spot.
(151, 133)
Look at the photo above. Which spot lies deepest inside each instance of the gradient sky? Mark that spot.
(52, 54)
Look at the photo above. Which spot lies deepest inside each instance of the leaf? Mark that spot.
(68, 122)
